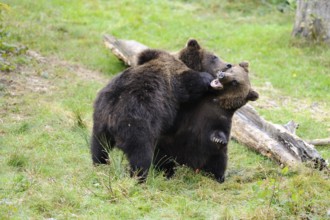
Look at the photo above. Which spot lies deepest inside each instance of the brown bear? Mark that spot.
(140, 104)
(202, 129)
(199, 59)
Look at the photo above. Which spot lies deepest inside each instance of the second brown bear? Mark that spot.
(203, 129)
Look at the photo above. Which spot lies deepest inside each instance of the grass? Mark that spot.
(46, 109)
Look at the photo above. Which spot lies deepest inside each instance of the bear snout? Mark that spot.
(225, 77)
(220, 74)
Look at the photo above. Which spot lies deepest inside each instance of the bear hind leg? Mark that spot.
(140, 157)
(137, 140)
(164, 163)
(100, 147)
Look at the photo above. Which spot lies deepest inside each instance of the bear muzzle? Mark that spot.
(225, 77)
(216, 83)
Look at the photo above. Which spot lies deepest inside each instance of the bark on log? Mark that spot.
(313, 20)
(271, 140)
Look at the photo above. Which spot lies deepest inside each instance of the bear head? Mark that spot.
(159, 58)
(199, 59)
(236, 90)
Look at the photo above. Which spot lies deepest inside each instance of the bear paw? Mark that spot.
(221, 179)
(219, 137)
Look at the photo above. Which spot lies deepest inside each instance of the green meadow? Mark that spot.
(46, 106)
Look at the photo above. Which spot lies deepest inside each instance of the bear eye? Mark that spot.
(214, 57)
(234, 82)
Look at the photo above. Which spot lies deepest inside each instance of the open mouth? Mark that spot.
(216, 84)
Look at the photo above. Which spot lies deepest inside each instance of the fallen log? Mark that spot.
(271, 140)
(125, 50)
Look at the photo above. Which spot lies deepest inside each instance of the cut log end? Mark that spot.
(125, 50)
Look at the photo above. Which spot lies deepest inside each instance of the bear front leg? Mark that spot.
(194, 85)
(217, 166)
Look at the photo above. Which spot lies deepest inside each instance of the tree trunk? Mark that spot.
(313, 20)
(274, 141)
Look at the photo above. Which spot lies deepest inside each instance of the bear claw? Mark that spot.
(218, 137)
(217, 140)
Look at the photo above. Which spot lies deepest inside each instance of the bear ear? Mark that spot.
(147, 55)
(253, 95)
(192, 43)
(245, 65)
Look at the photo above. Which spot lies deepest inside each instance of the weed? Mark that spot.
(79, 121)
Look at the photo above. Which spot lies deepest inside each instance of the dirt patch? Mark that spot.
(38, 76)
(26, 78)
(80, 71)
